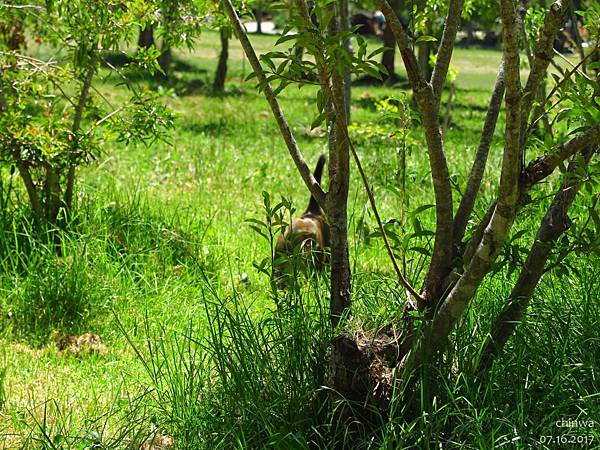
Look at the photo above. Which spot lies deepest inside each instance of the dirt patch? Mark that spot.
(86, 344)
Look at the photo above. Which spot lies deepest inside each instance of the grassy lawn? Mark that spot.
(161, 248)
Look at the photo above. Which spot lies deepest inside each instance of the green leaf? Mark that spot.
(250, 76)
(426, 38)
(285, 38)
(318, 121)
(421, 250)
(378, 51)
(420, 209)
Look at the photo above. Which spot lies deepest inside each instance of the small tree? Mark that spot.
(460, 260)
(49, 117)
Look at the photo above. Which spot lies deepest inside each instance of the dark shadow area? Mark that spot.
(234, 91)
(369, 102)
(217, 127)
(369, 80)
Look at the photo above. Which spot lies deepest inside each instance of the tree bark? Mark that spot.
(444, 55)
(542, 55)
(423, 53)
(53, 198)
(344, 25)
(388, 57)
(258, 16)
(221, 74)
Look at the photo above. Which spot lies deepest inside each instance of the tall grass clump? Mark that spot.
(47, 278)
(56, 293)
(252, 378)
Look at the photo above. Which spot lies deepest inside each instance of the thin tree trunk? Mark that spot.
(221, 74)
(53, 198)
(389, 56)
(344, 25)
(339, 181)
(83, 96)
(286, 132)
(542, 55)
(477, 170)
(165, 59)
(259, 16)
(34, 198)
(554, 224)
(444, 55)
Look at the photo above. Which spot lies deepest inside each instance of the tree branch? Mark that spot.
(442, 63)
(417, 82)
(429, 108)
(553, 225)
(542, 55)
(501, 220)
(83, 96)
(544, 165)
(312, 185)
(489, 126)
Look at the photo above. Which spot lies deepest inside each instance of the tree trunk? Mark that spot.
(32, 193)
(165, 59)
(389, 56)
(344, 25)
(339, 181)
(337, 200)
(259, 16)
(53, 200)
(146, 37)
(221, 74)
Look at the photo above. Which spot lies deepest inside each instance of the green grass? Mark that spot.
(153, 264)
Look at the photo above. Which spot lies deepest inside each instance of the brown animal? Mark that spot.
(307, 236)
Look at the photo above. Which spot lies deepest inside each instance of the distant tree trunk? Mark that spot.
(259, 16)
(389, 56)
(165, 59)
(146, 37)
(221, 74)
